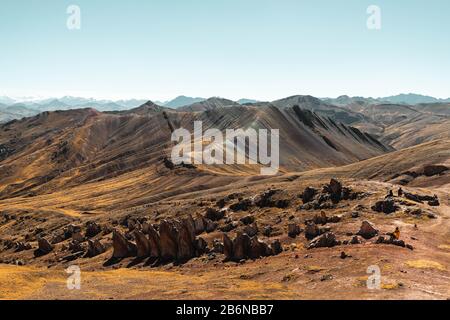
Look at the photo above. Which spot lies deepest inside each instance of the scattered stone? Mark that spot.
(22, 246)
(327, 240)
(211, 226)
(276, 247)
(267, 231)
(218, 246)
(355, 240)
(247, 220)
(95, 248)
(242, 205)
(229, 227)
(214, 215)
(355, 214)
(326, 277)
(251, 230)
(92, 229)
(293, 230)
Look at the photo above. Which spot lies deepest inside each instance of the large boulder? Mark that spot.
(241, 245)
(367, 230)
(94, 248)
(44, 247)
(326, 240)
(168, 235)
(308, 194)
(227, 247)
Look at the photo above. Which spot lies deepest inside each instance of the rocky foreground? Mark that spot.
(258, 233)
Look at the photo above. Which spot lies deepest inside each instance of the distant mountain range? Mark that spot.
(410, 99)
(11, 108)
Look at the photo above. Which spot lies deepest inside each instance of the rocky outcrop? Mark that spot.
(396, 242)
(245, 247)
(122, 247)
(168, 241)
(154, 239)
(199, 225)
(185, 244)
(386, 206)
(143, 244)
(433, 170)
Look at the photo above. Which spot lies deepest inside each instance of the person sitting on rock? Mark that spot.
(396, 233)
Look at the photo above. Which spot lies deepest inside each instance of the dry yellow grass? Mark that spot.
(425, 264)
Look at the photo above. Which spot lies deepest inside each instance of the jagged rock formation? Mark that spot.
(245, 247)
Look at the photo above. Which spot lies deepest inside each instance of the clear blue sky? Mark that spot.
(262, 49)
